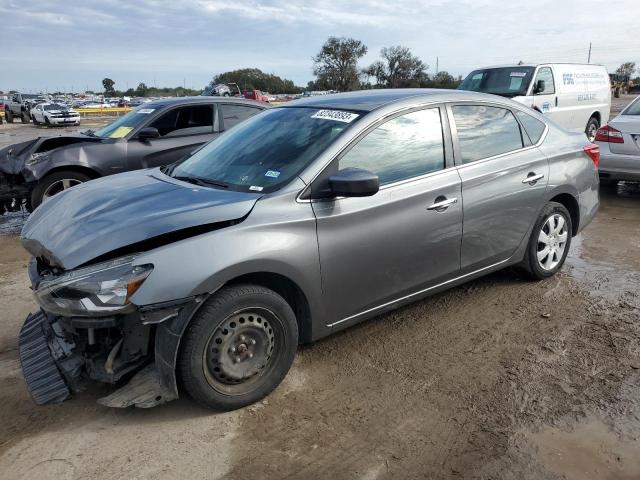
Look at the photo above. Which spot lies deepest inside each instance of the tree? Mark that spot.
(108, 84)
(626, 69)
(336, 66)
(399, 68)
(443, 79)
(254, 78)
(141, 90)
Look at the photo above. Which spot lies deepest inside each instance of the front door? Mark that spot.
(545, 97)
(182, 130)
(503, 183)
(374, 250)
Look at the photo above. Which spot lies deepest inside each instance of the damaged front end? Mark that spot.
(89, 330)
(19, 168)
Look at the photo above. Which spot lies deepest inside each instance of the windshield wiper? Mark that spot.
(203, 182)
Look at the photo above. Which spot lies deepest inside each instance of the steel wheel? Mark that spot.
(552, 241)
(241, 351)
(58, 186)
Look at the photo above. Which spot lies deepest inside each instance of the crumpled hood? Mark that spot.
(14, 157)
(110, 213)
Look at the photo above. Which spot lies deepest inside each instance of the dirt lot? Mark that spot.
(499, 378)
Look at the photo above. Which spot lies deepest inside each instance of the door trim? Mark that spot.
(419, 292)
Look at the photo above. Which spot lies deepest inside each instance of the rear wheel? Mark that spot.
(9, 116)
(238, 348)
(55, 183)
(33, 119)
(592, 127)
(549, 242)
(25, 117)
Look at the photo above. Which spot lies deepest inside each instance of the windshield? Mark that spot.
(633, 109)
(507, 81)
(266, 151)
(124, 125)
(55, 106)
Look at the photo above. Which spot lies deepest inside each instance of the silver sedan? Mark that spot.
(619, 143)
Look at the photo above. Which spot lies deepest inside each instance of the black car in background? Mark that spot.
(154, 134)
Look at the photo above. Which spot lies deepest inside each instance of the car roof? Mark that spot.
(369, 100)
(164, 102)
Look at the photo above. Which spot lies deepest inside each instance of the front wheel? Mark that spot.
(592, 127)
(55, 183)
(238, 348)
(549, 242)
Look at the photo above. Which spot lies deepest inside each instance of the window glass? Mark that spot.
(485, 131)
(234, 114)
(546, 75)
(191, 120)
(506, 81)
(406, 146)
(633, 109)
(268, 150)
(532, 126)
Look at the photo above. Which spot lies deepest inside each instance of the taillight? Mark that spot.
(594, 152)
(609, 134)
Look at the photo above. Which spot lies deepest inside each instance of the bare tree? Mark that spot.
(398, 68)
(336, 66)
(626, 69)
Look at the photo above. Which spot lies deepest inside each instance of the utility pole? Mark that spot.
(589, 57)
(437, 59)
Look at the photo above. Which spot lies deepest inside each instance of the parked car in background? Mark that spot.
(155, 134)
(304, 220)
(222, 90)
(94, 104)
(54, 114)
(19, 107)
(256, 95)
(575, 96)
(619, 143)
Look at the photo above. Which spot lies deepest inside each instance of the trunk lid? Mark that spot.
(629, 125)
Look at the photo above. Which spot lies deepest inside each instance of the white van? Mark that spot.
(575, 96)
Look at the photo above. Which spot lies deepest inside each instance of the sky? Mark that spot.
(73, 44)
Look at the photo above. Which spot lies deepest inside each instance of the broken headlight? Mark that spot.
(101, 289)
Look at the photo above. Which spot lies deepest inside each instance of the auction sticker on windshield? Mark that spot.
(146, 111)
(120, 132)
(337, 115)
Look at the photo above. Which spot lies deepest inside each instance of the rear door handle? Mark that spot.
(533, 178)
(442, 203)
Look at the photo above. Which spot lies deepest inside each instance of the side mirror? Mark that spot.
(354, 182)
(538, 87)
(147, 133)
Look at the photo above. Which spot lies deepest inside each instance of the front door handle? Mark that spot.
(442, 203)
(533, 178)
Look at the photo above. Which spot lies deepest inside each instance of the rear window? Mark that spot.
(633, 109)
(533, 127)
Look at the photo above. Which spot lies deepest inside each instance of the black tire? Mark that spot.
(592, 126)
(47, 122)
(530, 264)
(33, 119)
(25, 117)
(43, 185)
(9, 116)
(245, 314)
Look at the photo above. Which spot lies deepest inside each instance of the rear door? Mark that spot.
(374, 250)
(182, 129)
(504, 178)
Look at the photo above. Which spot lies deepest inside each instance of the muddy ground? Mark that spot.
(501, 378)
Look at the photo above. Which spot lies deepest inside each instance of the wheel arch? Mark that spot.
(597, 115)
(571, 204)
(90, 172)
(287, 289)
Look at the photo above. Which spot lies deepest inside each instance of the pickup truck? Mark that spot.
(19, 106)
(256, 95)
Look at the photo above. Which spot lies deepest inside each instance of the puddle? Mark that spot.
(588, 451)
